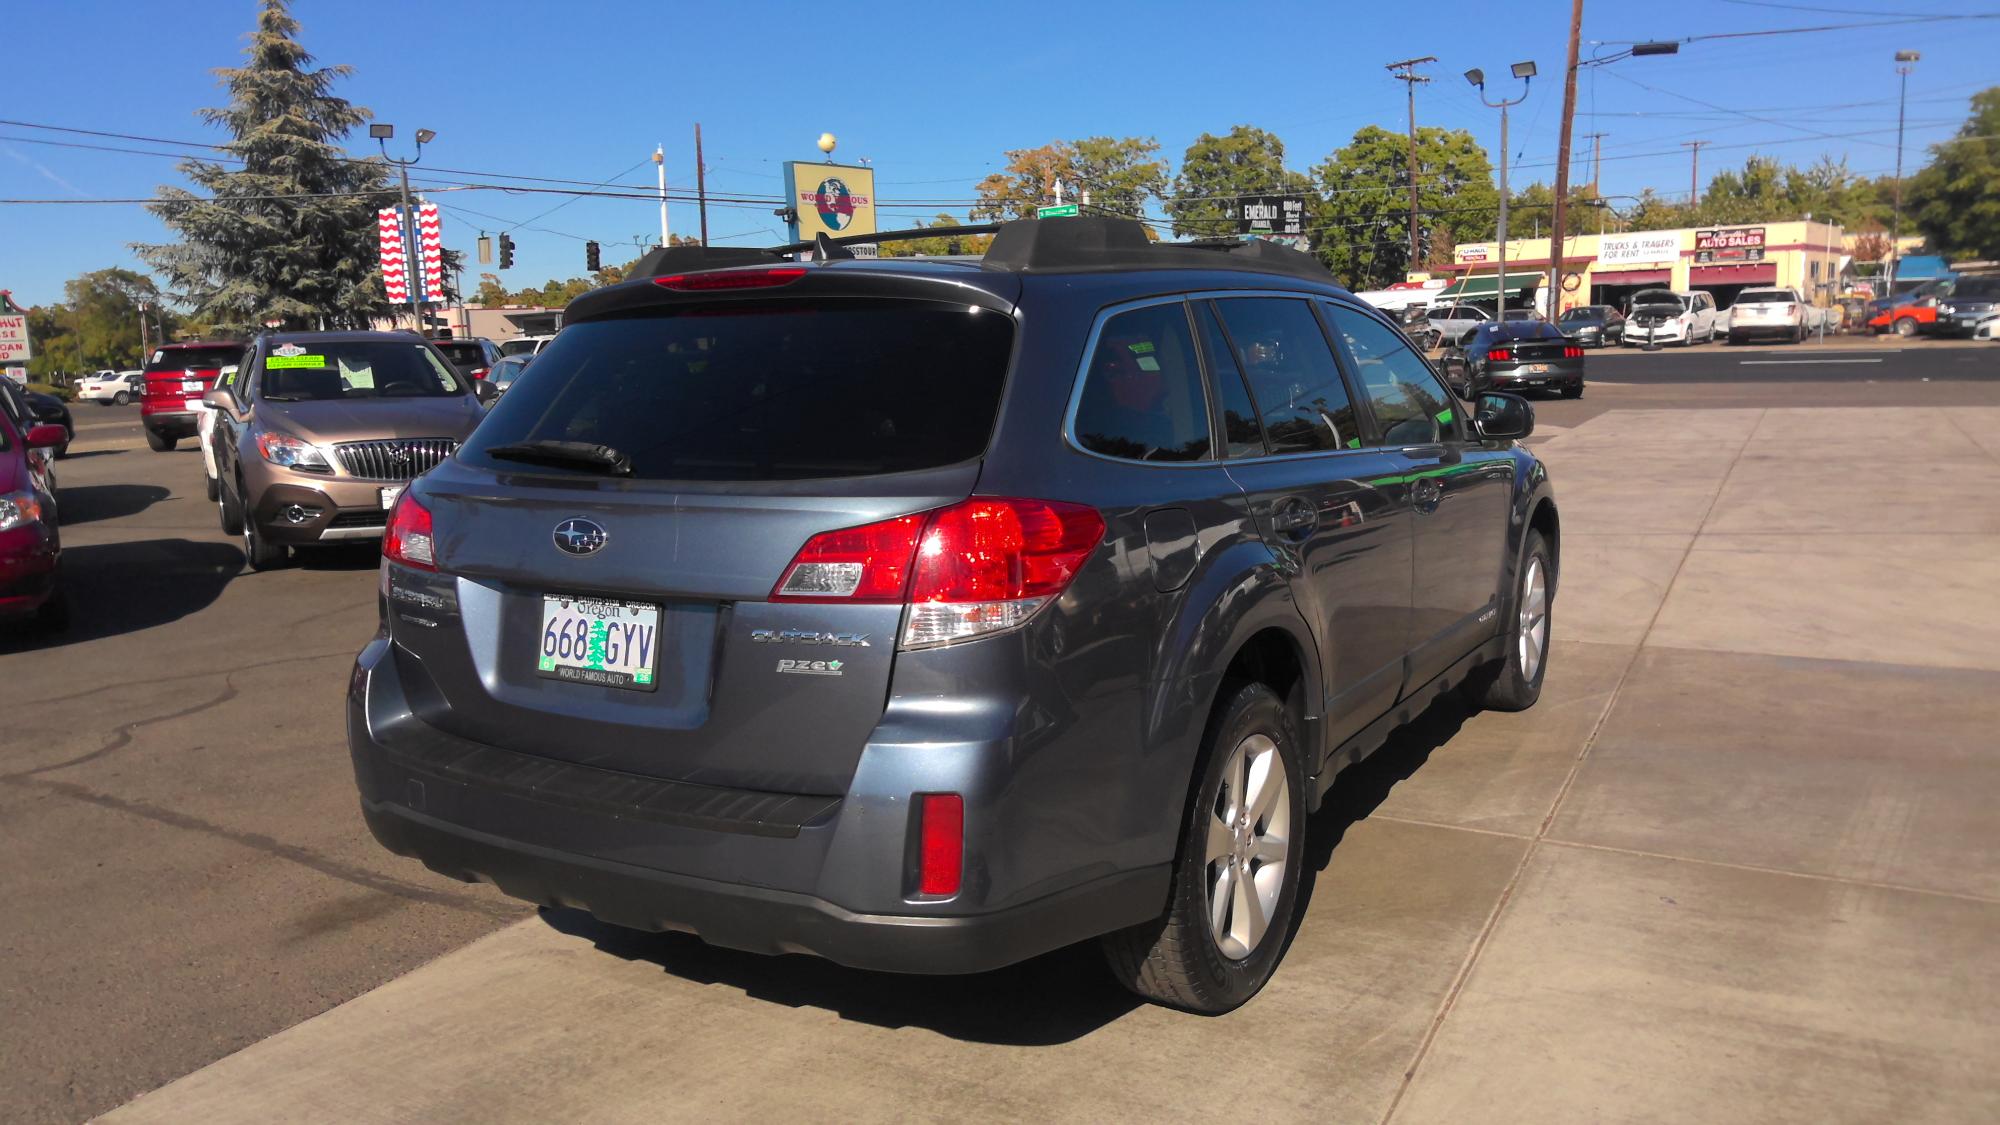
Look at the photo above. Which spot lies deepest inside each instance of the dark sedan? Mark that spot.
(1593, 326)
(1520, 355)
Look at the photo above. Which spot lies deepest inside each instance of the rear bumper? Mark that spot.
(1780, 331)
(1559, 374)
(171, 423)
(758, 871)
(28, 557)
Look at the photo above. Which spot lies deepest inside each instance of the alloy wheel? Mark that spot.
(1533, 635)
(1249, 840)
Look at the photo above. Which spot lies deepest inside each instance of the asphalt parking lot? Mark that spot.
(1740, 863)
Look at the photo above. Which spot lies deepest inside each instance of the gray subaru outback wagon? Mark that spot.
(927, 615)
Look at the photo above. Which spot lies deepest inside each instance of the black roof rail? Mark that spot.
(1078, 244)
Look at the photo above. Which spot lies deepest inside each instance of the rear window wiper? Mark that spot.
(566, 455)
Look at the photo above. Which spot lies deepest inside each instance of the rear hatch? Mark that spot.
(1764, 307)
(751, 423)
(466, 356)
(177, 376)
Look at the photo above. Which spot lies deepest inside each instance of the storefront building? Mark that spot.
(1607, 269)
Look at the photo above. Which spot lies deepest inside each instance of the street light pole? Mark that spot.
(1904, 59)
(1525, 71)
(660, 163)
(405, 220)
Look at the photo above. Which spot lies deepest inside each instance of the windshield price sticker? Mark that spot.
(275, 361)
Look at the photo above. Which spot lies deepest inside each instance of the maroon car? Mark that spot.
(177, 375)
(29, 544)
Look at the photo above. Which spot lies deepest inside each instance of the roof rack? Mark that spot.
(1080, 244)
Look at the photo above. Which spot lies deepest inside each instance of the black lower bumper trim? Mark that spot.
(761, 920)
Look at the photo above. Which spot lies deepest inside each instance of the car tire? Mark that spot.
(214, 488)
(1514, 682)
(1574, 390)
(161, 443)
(261, 553)
(229, 509)
(1906, 326)
(1178, 959)
(120, 399)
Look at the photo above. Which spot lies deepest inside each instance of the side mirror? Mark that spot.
(1503, 417)
(485, 392)
(217, 400)
(45, 436)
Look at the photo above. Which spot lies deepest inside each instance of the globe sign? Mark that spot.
(834, 203)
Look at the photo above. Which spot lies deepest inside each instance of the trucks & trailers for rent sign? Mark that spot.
(1634, 249)
(14, 344)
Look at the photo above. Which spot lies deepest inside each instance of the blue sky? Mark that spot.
(932, 94)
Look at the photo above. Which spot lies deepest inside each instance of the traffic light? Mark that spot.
(506, 252)
(591, 261)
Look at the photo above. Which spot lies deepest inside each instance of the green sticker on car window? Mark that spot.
(1143, 347)
(275, 362)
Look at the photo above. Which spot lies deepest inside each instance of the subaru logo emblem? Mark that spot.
(579, 536)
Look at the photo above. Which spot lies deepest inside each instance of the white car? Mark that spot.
(111, 388)
(204, 428)
(1453, 321)
(525, 345)
(1662, 316)
(1772, 314)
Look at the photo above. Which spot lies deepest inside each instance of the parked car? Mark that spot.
(471, 356)
(507, 370)
(1770, 314)
(206, 417)
(525, 345)
(111, 388)
(737, 619)
(1522, 356)
(1975, 298)
(1593, 326)
(47, 408)
(320, 432)
(1662, 316)
(1452, 322)
(30, 544)
(177, 375)
(1912, 312)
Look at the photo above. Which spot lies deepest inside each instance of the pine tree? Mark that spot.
(289, 236)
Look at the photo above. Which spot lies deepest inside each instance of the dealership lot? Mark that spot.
(1739, 863)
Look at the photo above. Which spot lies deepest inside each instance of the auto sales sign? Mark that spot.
(14, 344)
(1743, 244)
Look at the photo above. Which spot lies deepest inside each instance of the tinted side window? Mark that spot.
(1241, 433)
(1410, 405)
(1142, 397)
(1293, 378)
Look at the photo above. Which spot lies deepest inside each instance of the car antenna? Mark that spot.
(825, 250)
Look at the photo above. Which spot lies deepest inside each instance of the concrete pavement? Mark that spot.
(1741, 863)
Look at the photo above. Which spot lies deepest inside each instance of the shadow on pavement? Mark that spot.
(119, 588)
(364, 554)
(90, 502)
(1055, 998)
(80, 454)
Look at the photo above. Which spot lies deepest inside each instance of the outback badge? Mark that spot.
(808, 637)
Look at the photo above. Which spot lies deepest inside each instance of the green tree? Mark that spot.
(1217, 172)
(1363, 221)
(1654, 213)
(1121, 174)
(96, 325)
(1028, 182)
(1956, 198)
(1749, 196)
(289, 236)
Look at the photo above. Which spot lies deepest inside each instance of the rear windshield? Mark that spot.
(176, 359)
(311, 370)
(518, 347)
(464, 353)
(788, 391)
(1766, 297)
(1519, 330)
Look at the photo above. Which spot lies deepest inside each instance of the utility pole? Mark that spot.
(1903, 67)
(1405, 72)
(1596, 159)
(660, 162)
(1694, 171)
(701, 183)
(1559, 222)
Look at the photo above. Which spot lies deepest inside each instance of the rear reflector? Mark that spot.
(730, 279)
(407, 539)
(941, 852)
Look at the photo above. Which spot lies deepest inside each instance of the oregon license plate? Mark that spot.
(191, 386)
(1535, 368)
(609, 643)
(389, 496)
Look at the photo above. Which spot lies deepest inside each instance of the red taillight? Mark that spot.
(408, 539)
(1571, 351)
(1500, 355)
(976, 567)
(941, 837)
(731, 279)
(479, 373)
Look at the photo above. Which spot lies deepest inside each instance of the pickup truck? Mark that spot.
(1907, 314)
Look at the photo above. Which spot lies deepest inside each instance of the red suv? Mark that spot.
(177, 375)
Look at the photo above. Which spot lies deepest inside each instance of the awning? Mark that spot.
(1921, 267)
(1488, 284)
(1747, 273)
(1631, 277)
